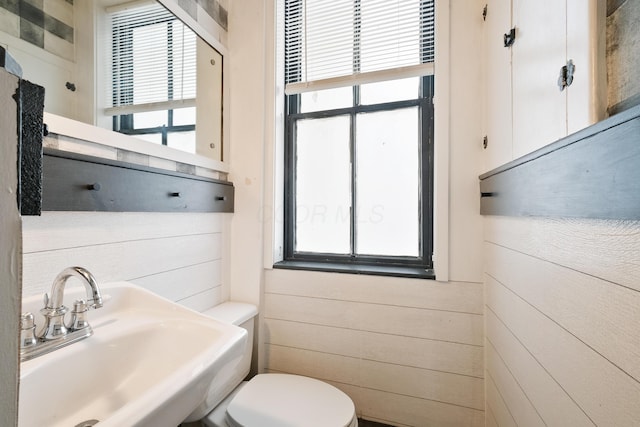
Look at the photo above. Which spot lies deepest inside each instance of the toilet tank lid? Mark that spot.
(235, 313)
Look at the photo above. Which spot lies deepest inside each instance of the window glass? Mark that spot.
(328, 99)
(150, 119)
(184, 141)
(387, 215)
(323, 198)
(389, 91)
(184, 116)
(156, 138)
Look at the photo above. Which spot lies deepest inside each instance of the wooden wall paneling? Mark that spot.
(461, 297)
(496, 403)
(553, 403)
(324, 366)
(185, 281)
(326, 339)
(441, 356)
(426, 384)
(490, 420)
(515, 397)
(444, 387)
(413, 411)
(121, 261)
(421, 323)
(204, 300)
(608, 395)
(607, 249)
(63, 230)
(422, 353)
(603, 315)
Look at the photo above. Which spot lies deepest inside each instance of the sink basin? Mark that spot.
(149, 362)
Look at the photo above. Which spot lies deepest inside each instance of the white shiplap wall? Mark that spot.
(562, 321)
(180, 256)
(408, 352)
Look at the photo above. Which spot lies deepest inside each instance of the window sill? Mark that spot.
(375, 270)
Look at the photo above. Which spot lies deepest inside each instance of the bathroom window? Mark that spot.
(359, 136)
(152, 88)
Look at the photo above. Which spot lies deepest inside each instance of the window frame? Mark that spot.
(422, 265)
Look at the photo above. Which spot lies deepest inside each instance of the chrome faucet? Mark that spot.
(55, 333)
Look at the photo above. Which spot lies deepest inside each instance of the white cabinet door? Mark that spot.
(524, 107)
(587, 95)
(539, 52)
(498, 85)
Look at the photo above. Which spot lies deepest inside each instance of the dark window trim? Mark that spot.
(321, 261)
(363, 264)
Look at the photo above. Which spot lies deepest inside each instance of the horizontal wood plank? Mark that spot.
(606, 249)
(204, 300)
(430, 294)
(515, 398)
(608, 395)
(406, 321)
(549, 398)
(184, 282)
(490, 420)
(425, 384)
(604, 316)
(64, 230)
(121, 261)
(416, 352)
(495, 403)
(417, 412)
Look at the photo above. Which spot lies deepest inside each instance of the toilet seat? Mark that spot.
(283, 400)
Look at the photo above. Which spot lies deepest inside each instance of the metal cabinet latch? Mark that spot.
(566, 75)
(510, 37)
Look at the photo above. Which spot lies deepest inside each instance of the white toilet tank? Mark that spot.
(242, 315)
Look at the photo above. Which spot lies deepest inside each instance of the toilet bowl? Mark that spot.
(269, 400)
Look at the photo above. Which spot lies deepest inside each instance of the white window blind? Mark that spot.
(331, 43)
(152, 62)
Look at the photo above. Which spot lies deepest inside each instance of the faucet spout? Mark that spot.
(55, 333)
(55, 301)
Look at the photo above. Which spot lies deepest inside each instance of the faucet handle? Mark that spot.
(27, 330)
(78, 315)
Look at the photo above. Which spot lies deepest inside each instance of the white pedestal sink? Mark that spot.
(148, 363)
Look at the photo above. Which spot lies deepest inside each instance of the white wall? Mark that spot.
(10, 262)
(409, 352)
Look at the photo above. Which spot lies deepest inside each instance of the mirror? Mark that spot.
(67, 46)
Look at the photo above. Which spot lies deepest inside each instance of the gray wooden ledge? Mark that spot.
(77, 182)
(594, 173)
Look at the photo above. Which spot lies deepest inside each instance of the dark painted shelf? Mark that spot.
(77, 182)
(594, 173)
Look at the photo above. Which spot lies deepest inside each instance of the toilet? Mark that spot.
(268, 400)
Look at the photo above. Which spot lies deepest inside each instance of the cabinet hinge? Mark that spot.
(510, 37)
(485, 142)
(484, 12)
